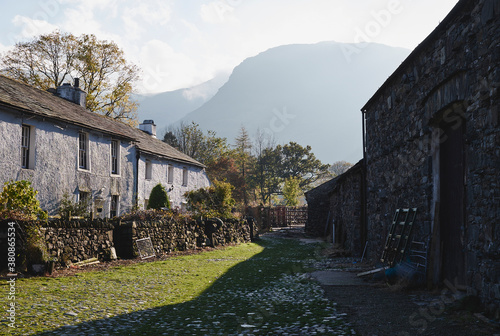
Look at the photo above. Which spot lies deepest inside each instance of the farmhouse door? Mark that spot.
(452, 200)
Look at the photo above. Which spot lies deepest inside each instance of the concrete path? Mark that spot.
(337, 278)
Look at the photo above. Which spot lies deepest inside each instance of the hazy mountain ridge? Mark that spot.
(168, 107)
(311, 94)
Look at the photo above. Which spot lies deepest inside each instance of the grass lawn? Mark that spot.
(254, 289)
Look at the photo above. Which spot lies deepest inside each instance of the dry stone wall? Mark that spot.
(78, 240)
(73, 241)
(169, 235)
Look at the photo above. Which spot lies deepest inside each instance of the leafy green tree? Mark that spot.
(262, 178)
(18, 201)
(171, 139)
(214, 201)
(298, 161)
(49, 60)
(225, 169)
(243, 144)
(214, 148)
(266, 174)
(275, 165)
(292, 191)
(158, 198)
(260, 174)
(243, 157)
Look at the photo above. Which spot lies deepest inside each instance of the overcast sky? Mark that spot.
(182, 43)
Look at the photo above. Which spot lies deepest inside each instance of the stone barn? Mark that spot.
(336, 210)
(318, 208)
(432, 142)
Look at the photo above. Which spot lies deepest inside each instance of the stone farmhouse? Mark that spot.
(50, 139)
(432, 142)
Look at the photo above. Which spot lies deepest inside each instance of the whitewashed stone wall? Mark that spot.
(55, 167)
(197, 178)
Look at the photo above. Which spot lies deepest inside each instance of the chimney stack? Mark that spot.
(149, 127)
(73, 93)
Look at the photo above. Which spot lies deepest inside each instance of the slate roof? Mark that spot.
(26, 99)
(329, 186)
(148, 144)
(323, 189)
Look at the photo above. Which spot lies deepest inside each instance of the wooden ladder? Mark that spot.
(399, 236)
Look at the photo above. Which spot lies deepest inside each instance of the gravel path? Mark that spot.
(374, 309)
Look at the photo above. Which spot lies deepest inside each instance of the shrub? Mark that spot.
(158, 198)
(36, 248)
(214, 201)
(18, 201)
(68, 208)
(155, 215)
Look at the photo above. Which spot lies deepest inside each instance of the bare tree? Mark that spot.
(190, 139)
(45, 62)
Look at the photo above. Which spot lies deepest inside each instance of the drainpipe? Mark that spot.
(364, 186)
(136, 178)
(363, 125)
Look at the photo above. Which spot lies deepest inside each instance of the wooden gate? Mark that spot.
(282, 216)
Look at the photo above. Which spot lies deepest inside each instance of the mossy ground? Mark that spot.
(250, 288)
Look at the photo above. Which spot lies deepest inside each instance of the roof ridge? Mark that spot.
(26, 98)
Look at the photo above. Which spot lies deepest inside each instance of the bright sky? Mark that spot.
(183, 43)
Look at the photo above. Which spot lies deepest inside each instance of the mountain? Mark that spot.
(168, 107)
(310, 94)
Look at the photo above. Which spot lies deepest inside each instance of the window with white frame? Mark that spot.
(170, 174)
(28, 147)
(115, 157)
(83, 151)
(149, 170)
(114, 207)
(185, 176)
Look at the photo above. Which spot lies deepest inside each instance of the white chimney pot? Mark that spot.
(149, 127)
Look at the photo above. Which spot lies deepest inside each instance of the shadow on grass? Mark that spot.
(235, 302)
